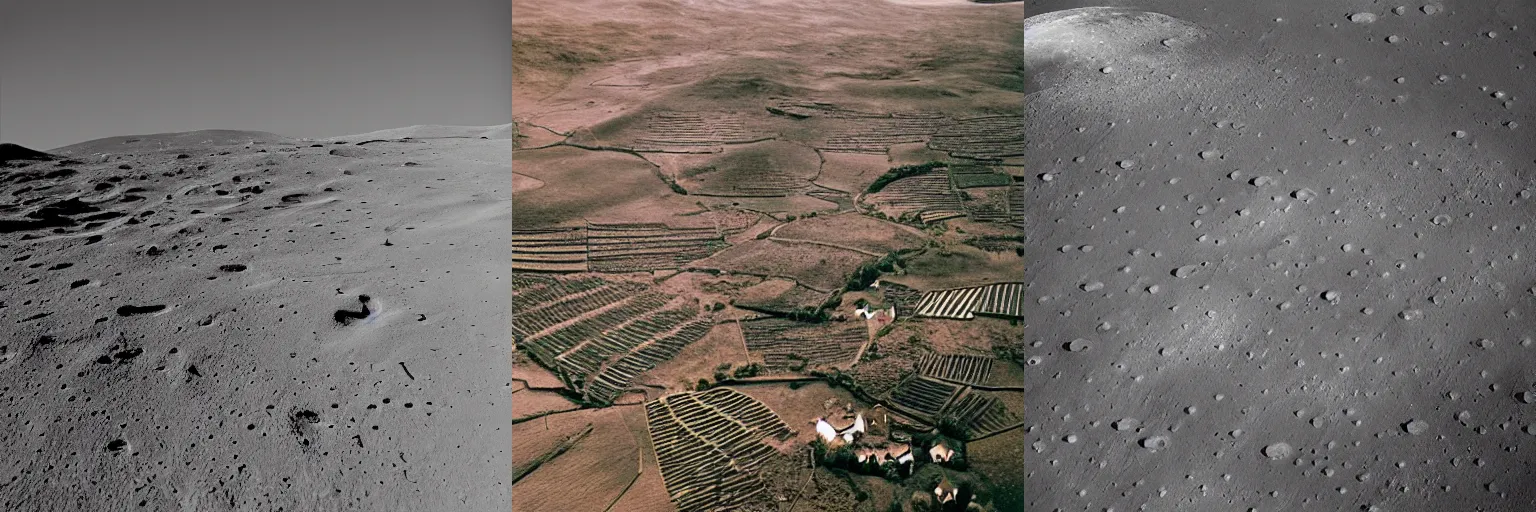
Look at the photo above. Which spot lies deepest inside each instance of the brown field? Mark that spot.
(854, 231)
(605, 461)
(817, 267)
(583, 185)
(851, 172)
(536, 376)
(529, 402)
(697, 361)
(779, 296)
(958, 266)
(648, 492)
(799, 408)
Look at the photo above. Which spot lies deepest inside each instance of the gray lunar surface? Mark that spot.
(1309, 225)
(228, 320)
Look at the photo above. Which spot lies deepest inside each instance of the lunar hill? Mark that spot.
(1062, 45)
(225, 320)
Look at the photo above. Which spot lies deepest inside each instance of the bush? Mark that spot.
(703, 385)
(810, 315)
(952, 427)
(868, 272)
(747, 370)
(904, 171)
(677, 188)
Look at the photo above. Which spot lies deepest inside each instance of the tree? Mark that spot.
(920, 502)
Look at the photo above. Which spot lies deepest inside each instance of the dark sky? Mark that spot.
(72, 71)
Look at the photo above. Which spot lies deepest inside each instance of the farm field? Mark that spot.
(598, 335)
(819, 268)
(709, 445)
(790, 346)
(779, 296)
(1001, 299)
(853, 231)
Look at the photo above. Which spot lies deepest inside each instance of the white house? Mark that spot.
(940, 453)
(825, 430)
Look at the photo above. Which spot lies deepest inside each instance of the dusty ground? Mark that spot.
(175, 336)
(1277, 257)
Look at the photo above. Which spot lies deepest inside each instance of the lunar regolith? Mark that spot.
(224, 320)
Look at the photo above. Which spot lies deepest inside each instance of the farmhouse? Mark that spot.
(900, 454)
(847, 434)
(940, 452)
(944, 492)
(856, 429)
(825, 430)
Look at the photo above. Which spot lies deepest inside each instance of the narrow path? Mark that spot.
(556, 451)
(818, 242)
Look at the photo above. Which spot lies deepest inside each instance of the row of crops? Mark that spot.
(612, 248)
(787, 345)
(709, 445)
(999, 299)
(979, 413)
(597, 335)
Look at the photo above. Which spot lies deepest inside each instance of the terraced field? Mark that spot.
(1001, 299)
(602, 336)
(984, 138)
(877, 135)
(610, 381)
(956, 367)
(905, 298)
(1016, 205)
(613, 247)
(549, 250)
(981, 413)
(957, 304)
(923, 398)
(694, 131)
(538, 303)
(927, 195)
(972, 176)
(787, 345)
(802, 110)
(988, 205)
(646, 247)
(709, 445)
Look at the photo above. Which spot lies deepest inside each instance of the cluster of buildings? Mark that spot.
(881, 452)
